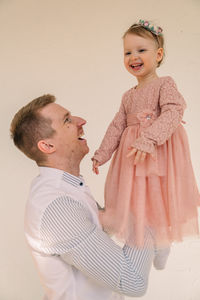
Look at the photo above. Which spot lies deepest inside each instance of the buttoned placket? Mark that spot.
(89, 200)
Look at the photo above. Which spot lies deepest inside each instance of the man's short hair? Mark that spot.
(28, 127)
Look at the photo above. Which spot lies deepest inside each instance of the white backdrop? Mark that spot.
(73, 49)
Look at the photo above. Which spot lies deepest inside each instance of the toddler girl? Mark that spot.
(150, 181)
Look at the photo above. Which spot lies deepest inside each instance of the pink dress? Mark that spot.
(160, 192)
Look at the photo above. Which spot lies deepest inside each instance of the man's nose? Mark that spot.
(79, 121)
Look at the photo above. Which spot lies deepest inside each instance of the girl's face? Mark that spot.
(141, 56)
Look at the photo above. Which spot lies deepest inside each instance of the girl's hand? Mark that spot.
(95, 167)
(139, 155)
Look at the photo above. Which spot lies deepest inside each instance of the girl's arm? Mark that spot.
(112, 137)
(172, 106)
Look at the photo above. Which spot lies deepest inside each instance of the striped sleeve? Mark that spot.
(67, 230)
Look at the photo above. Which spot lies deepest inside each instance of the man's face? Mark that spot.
(68, 132)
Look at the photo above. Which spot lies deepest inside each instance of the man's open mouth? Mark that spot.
(80, 137)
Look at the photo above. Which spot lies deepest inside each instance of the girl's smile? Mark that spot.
(136, 66)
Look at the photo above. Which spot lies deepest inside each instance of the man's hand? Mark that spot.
(139, 155)
(95, 167)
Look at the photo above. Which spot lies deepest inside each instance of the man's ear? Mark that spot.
(46, 147)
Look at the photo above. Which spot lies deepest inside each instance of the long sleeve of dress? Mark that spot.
(112, 137)
(172, 106)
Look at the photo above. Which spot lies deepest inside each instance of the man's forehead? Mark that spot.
(53, 110)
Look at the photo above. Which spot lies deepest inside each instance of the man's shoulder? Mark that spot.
(45, 187)
(44, 190)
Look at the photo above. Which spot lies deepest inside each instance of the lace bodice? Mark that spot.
(158, 108)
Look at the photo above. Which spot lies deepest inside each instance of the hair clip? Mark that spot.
(151, 27)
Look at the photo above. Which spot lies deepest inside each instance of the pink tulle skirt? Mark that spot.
(160, 192)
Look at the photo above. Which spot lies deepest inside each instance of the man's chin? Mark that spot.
(86, 150)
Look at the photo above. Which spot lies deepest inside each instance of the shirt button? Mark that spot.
(81, 183)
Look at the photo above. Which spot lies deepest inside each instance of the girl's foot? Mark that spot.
(160, 259)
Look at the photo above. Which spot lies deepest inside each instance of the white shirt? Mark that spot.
(75, 259)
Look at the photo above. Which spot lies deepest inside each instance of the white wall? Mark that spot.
(73, 49)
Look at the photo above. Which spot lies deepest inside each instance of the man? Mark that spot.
(75, 259)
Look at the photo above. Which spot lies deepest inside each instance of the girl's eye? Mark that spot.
(142, 50)
(127, 53)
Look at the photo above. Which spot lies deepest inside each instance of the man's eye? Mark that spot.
(142, 50)
(68, 120)
(127, 53)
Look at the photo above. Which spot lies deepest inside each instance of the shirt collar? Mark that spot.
(73, 180)
(67, 177)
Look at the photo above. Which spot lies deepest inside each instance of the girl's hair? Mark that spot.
(140, 30)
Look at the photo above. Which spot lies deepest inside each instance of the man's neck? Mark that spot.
(67, 167)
